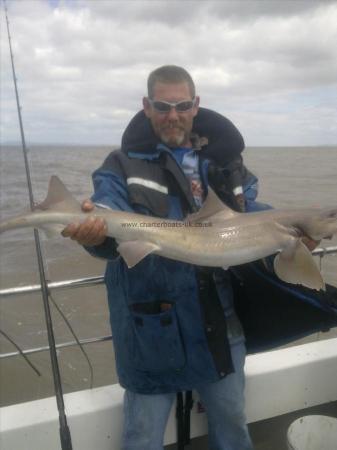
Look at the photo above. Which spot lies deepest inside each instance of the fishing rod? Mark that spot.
(65, 435)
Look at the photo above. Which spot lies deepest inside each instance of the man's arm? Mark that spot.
(110, 191)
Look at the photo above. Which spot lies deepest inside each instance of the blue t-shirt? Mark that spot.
(188, 159)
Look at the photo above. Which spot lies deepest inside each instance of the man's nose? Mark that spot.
(172, 114)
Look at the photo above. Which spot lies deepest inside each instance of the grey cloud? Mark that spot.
(253, 9)
(83, 66)
(177, 12)
(171, 12)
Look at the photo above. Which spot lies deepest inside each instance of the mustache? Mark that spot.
(173, 125)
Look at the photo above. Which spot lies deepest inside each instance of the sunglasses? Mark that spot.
(165, 107)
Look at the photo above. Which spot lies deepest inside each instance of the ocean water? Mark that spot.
(288, 177)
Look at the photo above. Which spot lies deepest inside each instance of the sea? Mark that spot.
(288, 177)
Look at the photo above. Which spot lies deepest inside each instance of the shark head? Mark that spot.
(327, 223)
(322, 225)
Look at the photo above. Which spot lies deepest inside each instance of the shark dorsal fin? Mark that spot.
(59, 198)
(211, 206)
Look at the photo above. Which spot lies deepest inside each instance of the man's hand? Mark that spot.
(91, 232)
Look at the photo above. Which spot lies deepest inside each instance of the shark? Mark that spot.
(215, 236)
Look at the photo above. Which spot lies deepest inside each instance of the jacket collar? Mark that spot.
(223, 141)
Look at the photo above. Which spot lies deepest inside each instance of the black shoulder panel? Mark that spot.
(225, 142)
(114, 162)
(275, 313)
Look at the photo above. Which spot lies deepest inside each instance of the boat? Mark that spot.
(278, 382)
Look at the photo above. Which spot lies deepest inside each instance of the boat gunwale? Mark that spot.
(97, 280)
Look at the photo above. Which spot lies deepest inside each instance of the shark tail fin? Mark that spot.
(58, 198)
(296, 265)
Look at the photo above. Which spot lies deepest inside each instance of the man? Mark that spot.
(173, 324)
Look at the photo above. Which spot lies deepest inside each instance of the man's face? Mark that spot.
(173, 127)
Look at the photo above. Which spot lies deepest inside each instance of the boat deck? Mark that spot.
(270, 434)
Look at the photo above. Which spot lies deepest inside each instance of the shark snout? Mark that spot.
(323, 226)
(330, 214)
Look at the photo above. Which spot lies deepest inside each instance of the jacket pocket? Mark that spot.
(157, 341)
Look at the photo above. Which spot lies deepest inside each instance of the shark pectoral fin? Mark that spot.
(296, 265)
(134, 251)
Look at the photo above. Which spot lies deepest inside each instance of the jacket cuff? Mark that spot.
(106, 250)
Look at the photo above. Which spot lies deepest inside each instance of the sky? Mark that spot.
(82, 65)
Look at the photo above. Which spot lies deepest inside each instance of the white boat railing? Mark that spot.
(31, 351)
(305, 375)
(53, 285)
(86, 282)
(97, 280)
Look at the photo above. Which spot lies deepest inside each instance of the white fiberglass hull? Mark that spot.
(278, 382)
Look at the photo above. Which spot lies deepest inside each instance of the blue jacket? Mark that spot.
(188, 343)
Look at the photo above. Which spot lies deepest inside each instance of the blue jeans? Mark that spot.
(145, 416)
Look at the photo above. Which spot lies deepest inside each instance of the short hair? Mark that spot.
(169, 74)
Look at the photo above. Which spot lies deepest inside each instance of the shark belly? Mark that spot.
(224, 247)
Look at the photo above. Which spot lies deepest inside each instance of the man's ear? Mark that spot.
(146, 107)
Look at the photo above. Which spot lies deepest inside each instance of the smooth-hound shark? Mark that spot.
(215, 236)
